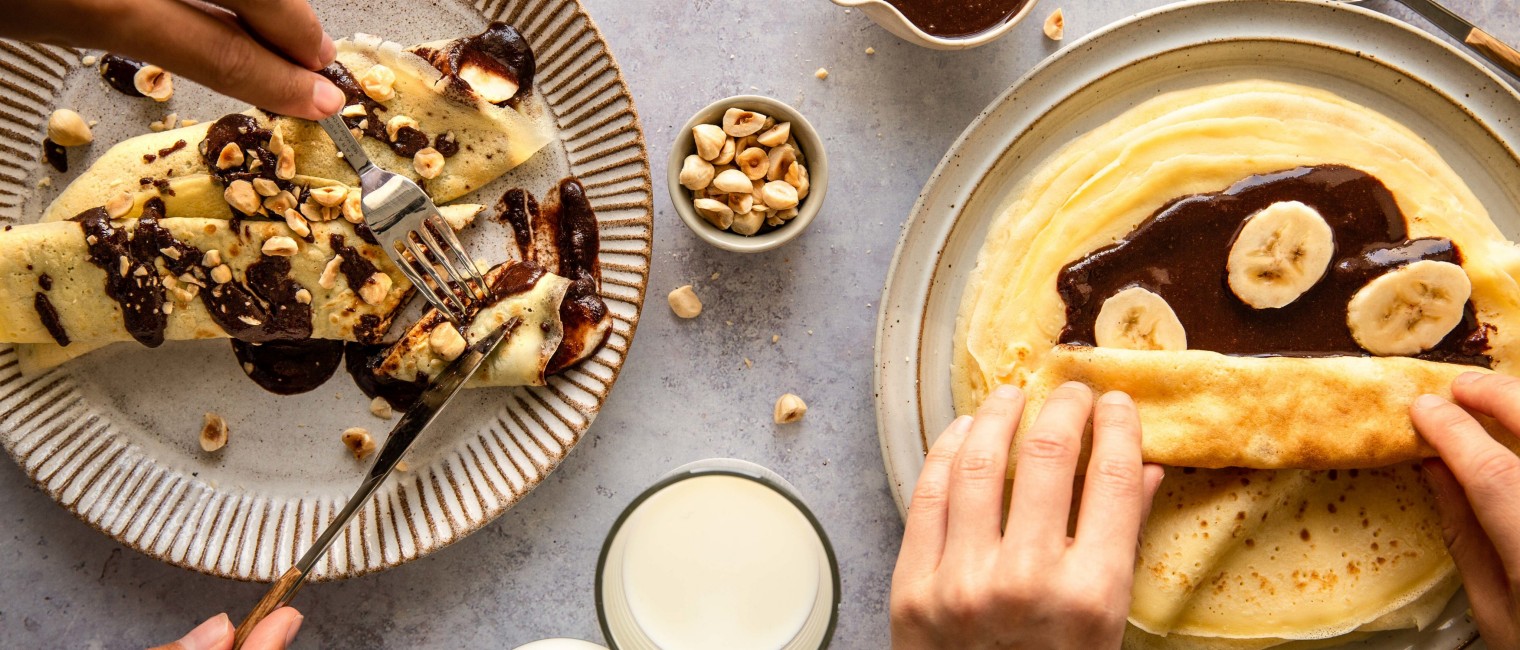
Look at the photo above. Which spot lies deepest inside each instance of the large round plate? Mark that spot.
(1456, 103)
(112, 436)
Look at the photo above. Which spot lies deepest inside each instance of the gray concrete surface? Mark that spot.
(686, 393)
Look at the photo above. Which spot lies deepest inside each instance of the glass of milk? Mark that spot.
(720, 553)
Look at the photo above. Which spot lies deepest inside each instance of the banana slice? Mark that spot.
(1279, 253)
(1137, 319)
(1410, 309)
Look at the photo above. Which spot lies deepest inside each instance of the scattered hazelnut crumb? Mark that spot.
(715, 276)
(789, 408)
(189, 122)
(822, 73)
(381, 408)
(775, 338)
(870, 50)
(213, 432)
(45, 181)
(88, 60)
(748, 363)
(1055, 25)
(684, 302)
(358, 441)
(403, 466)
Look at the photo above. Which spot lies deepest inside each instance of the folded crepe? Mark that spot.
(1246, 558)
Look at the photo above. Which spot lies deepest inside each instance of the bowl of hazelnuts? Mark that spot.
(747, 173)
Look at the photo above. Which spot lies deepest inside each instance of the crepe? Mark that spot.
(1245, 558)
(1204, 140)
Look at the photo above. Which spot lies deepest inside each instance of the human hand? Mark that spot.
(1477, 488)
(260, 51)
(275, 632)
(963, 581)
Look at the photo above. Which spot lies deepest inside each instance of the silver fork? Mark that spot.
(406, 223)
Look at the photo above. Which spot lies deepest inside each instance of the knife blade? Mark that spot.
(1496, 51)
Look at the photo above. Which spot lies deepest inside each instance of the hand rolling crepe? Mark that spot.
(1239, 558)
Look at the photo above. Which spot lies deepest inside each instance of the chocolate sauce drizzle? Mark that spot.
(1180, 253)
(289, 367)
(56, 156)
(49, 316)
(409, 140)
(120, 73)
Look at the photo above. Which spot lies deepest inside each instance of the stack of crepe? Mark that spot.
(171, 177)
(1280, 542)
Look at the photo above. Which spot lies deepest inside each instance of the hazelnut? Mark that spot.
(352, 211)
(822, 73)
(446, 341)
(741, 203)
(779, 195)
(264, 186)
(393, 125)
(781, 159)
(786, 215)
(154, 82)
(753, 162)
(375, 288)
(789, 408)
(381, 408)
(709, 139)
(738, 122)
(359, 442)
(1055, 25)
(726, 154)
(241, 196)
(714, 212)
(732, 181)
(696, 173)
(748, 222)
(797, 176)
(297, 223)
(213, 432)
(303, 296)
(221, 274)
(379, 83)
(280, 246)
(329, 277)
(329, 197)
(684, 302)
(776, 135)
(212, 258)
(119, 206)
(428, 163)
(230, 156)
(67, 129)
(354, 110)
(285, 164)
(280, 202)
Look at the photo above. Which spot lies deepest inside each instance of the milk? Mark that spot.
(718, 561)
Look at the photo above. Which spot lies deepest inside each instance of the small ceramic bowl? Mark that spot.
(893, 21)
(812, 154)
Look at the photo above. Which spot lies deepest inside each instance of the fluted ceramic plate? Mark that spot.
(1461, 107)
(113, 436)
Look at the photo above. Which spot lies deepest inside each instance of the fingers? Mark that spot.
(276, 631)
(1477, 560)
(924, 532)
(1047, 465)
(981, 467)
(1488, 472)
(193, 43)
(289, 26)
(214, 634)
(1114, 490)
(1497, 396)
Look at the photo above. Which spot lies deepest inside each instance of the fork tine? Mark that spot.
(442, 253)
(451, 241)
(440, 295)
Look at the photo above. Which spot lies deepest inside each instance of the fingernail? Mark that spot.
(1116, 397)
(1006, 392)
(1467, 378)
(328, 51)
(208, 635)
(1428, 401)
(295, 626)
(326, 97)
(961, 423)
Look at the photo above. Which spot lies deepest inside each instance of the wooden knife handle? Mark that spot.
(1502, 55)
(279, 593)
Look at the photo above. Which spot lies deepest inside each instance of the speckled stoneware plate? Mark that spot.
(113, 436)
(1464, 110)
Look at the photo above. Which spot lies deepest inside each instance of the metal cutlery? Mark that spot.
(1477, 40)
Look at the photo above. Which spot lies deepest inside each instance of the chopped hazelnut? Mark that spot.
(789, 408)
(394, 125)
(303, 296)
(329, 277)
(67, 129)
(696, 173)
(221, 274)
(353, 110)
(154, 82)
(280, 246)
(264, 186)
(776, 135)
(359, 442)
(352, 210)
(381, 408)
(280, 202)
(241, 196)
(1055, 25)
(213, 432)
(330, 196)
(822, 73)
(119, 206)
(212, 258)
(738, 122)
(230, 156)
(779, 195)
(684, 302)
(379, 83)
(428, 163)
(285, 164)
(375, 288)
(709, 139)
(298, 224)
(446, 341)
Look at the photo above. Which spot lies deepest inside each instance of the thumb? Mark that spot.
(214, 634)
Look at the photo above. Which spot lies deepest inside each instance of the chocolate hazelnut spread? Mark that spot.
(49, 317)
(57, 157)
(1180, 253)
(289, 367)
(583, 308)
(957, 18)
(120, 72)
(500, 50)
